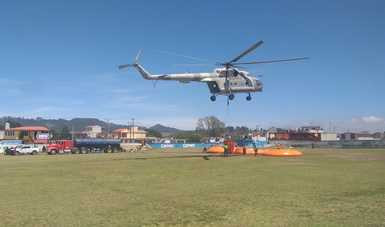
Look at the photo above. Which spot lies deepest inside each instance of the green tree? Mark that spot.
(190, 136)
(243, 130)
(13, 124)
(153, 133)
(211, 126)
(65, 133)
(54, 134)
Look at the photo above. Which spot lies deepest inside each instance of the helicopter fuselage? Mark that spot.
(237, 81)
(223, 81)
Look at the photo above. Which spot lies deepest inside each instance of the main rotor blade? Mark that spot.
(183, 56)
(193, 64)
(240, 67)
(270, 61)
(124, 66)
(247, 51)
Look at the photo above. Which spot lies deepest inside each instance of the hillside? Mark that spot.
(164, 129)
(77, 124)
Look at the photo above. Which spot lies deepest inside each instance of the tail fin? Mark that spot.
(145, 74)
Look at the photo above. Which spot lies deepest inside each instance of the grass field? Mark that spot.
(321, 188)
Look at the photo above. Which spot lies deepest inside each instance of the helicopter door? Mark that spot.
(213, 86)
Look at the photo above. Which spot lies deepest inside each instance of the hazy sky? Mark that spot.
(58, 59)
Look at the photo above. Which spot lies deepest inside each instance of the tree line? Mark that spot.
(211, 126)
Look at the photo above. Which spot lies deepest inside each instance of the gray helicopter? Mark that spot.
(226, 80)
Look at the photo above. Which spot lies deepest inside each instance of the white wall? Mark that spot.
(329, 136)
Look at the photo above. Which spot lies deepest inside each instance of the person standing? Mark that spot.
(255, 148)
(226, 149)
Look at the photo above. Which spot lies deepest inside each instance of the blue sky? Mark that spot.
(58, 59)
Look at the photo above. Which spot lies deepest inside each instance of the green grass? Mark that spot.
(321, 188)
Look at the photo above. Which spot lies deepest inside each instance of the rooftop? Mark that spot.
(121, 130)
(31, 128)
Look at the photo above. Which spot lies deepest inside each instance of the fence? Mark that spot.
(180, 145)
(332, 144)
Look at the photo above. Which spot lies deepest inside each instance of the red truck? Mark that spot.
(84, 146)
(60, 146)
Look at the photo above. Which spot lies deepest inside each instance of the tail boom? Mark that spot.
(145, 74)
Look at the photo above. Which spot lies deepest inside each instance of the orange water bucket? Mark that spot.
(280, 152)
(249, 150)
(216, 149)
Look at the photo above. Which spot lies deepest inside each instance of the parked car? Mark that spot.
(31, 149)
(10, 151)
(8, 144)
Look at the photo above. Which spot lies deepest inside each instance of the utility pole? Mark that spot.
(108, 128)
(72, 132)
(129, 128)
(132, 128)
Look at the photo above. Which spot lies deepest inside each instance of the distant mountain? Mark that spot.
(77, 124)
(164, 129)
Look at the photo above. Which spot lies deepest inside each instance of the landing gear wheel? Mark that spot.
(213, 98)
(231, 96)
(248, 98)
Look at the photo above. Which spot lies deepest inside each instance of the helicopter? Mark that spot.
(230, 78)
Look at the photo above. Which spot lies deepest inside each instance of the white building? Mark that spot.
(311, 129)
(329, 136)
(2, 130)
(364, 136)
(2, 134)
(93, 131)
(128, 134)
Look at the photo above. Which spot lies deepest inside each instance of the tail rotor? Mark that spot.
(136, 62)
(138, 56)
